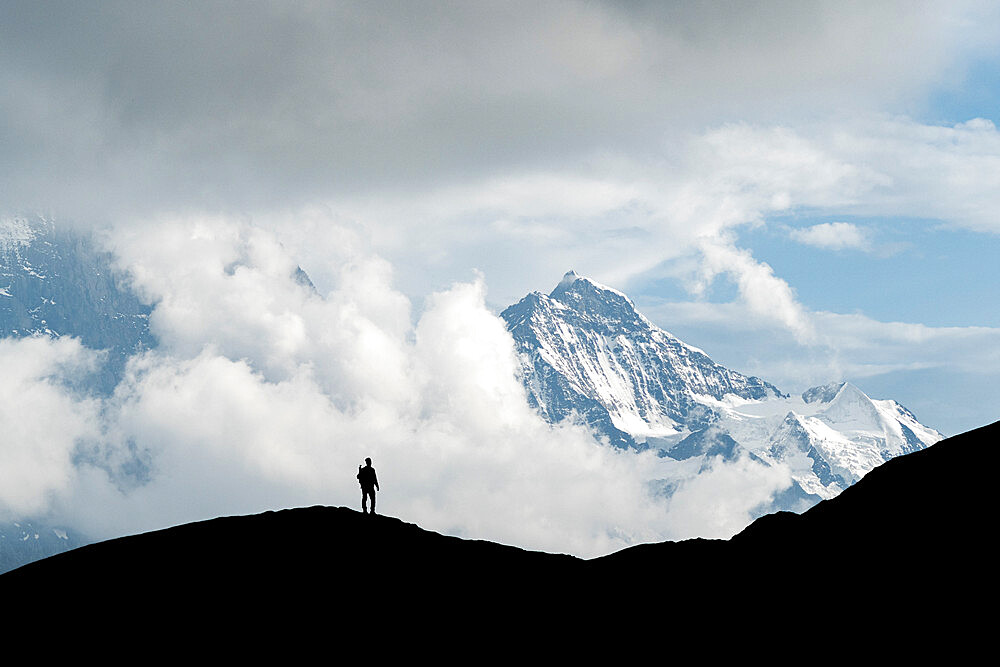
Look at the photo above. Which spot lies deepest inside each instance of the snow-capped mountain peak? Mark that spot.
(853, 408)
(574, 288)
(587, 354)
(568, 279)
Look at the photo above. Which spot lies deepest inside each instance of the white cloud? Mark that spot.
(489, 141)
(43, 419)
(701, 510)
(266, 395)
(631, 218)
(943, 172)
(338, 100)
(844, 343)
(833, 236)
(765, 295)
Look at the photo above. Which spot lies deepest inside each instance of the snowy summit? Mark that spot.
(588, 355)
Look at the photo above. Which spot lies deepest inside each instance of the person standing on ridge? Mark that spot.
(369, 483)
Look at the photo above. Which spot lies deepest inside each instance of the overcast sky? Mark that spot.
(808, 191)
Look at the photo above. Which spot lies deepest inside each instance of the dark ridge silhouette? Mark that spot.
(905, 555)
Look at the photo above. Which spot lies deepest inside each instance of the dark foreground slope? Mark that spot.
(903, 555)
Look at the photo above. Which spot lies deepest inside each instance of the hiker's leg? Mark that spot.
(373, 502)
(364, 501)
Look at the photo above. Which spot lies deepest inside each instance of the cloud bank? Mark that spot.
(135, 109)
(264, 393)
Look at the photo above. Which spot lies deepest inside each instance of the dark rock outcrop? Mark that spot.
(901, 563)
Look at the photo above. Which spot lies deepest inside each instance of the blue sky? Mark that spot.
(974, 93)
(911, 270)
(916, 270)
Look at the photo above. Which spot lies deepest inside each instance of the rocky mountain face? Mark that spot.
(586, 351)
(588, 355)
(23, 542)
(55, 281)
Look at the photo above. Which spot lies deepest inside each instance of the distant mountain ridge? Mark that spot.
(587, 354)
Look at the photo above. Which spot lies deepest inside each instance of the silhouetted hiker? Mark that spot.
(369, 482)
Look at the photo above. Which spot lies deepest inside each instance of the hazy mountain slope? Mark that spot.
(55, 281)
(22, 542)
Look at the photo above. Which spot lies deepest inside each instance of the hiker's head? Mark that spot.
(368, 461)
